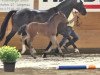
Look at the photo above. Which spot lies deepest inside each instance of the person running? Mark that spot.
(71, 35)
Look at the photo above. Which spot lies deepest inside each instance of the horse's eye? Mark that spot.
(81, 2)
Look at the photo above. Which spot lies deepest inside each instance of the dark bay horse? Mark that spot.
(48, 29)
(26, 16)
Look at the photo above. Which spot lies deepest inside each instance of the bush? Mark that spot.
(9, 54)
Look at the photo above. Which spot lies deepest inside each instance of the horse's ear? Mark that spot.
(78, 1)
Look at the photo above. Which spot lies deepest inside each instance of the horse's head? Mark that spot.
(78, 5)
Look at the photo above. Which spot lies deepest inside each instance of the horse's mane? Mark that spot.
(63, 3)
(51, 18)
(55, 9)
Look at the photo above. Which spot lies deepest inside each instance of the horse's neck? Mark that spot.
(65, 7)
(54, 23)
(67, 12)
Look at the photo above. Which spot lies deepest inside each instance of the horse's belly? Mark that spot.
(43, 33)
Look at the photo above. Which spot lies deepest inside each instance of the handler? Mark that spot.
(71, 36)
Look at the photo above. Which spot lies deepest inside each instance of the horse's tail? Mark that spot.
(22, 31)
(5, 23)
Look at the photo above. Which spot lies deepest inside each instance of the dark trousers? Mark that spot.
(71, 36)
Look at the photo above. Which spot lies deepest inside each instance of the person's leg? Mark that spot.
(66, 47)
(75, 38)
(72, 41)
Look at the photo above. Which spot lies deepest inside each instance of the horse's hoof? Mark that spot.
(61, 54)
(44, 55)
(56, 50)
(34, 57)
(55, 54)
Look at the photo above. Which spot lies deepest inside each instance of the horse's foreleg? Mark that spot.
(50, 43)
(10, 35)
(47, 51)
(54, 41)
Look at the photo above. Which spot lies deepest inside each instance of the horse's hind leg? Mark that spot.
(10, 35)
(23, 45)
(30, 46)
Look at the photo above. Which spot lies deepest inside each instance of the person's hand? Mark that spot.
(76, 16)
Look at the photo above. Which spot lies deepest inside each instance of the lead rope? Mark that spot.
(78, 21)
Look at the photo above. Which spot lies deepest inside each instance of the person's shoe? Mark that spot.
(44, 55)
(77, 50)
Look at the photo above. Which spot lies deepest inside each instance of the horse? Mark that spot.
(25, 16)
(48, 29)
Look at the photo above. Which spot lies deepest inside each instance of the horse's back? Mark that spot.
(24, 16)
(32, 26)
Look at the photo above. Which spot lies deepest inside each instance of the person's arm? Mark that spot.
(67, 21)
(74, 19)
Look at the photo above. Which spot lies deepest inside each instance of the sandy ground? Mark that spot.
(52, 72)
(26, 65)
(51, 61)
